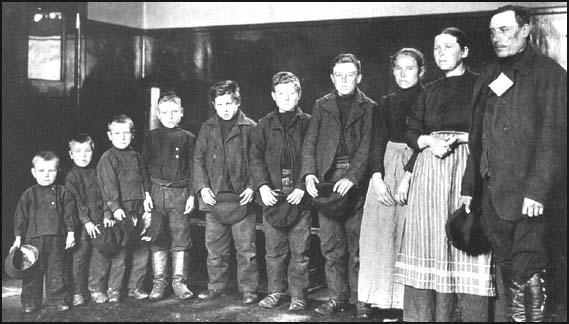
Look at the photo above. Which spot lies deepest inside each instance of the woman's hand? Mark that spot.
(382, 190)
(402, 191)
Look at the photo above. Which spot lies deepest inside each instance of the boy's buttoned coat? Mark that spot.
(211, 155)
(323, 136)
(267, 146)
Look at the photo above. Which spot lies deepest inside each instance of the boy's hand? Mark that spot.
(119, 214)
(190, 203)
(402, 191)
(246, 196)
(267, 195)
(342, 186)
(147, 204)
(465, 200)
(295, 196)
(311, 182)
(107, 222)
(92, 230)
(207, 196)
(70, 241)
(17, 243)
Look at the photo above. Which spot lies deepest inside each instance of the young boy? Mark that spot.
(45, 218)
(335, 149)
(81, 181)
(275, 164)
(221, 165)
(124, 187)
(168, 153)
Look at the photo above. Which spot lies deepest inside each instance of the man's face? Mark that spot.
(120, 135)
(226, 106)
(170, 114)
(45, 172)
(285, 96)
(346, 78)
(507, 37)
(81, 153)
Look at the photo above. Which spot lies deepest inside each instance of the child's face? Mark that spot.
(346, 78)
(406, 71)
(45, 172)
(225, 106)
(170, 114)
(120, 135)
(285, 96)
(81, 154)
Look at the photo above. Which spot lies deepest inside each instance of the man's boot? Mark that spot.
(515, 297)
(536, 297)
(179, 270)
(159, 263)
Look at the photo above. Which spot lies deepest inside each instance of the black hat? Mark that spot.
(109, 241)
(329, 202)
(227, 209)
(156, 229)
(465, 232)
(22, 262)
(281, 214)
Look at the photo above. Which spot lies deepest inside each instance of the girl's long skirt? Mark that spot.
(380, 236)
(427, 260)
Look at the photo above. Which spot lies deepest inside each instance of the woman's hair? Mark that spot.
(413, 52)
(460, 36)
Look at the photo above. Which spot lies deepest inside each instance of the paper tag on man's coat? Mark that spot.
(501, 84)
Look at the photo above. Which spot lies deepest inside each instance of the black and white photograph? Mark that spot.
(284, 161)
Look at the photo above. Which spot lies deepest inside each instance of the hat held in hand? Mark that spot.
(22, 262)
(465, 232)
(329, 202)
(281, 214)
(227, 209)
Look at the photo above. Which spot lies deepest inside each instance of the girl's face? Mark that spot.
(406, 71)
(448, 54)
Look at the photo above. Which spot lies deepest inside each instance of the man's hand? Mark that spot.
(465, 200)
(246, 196)
(92, 230)
(532, 208)
(207, 196)
(119, 214)
(148, 204)
(17, 243)
(342, 186)
(402, 191)
(70, 241)
(295, 196)
(190, 204)
(267, 195)
(382, 190)
(311, 181)
(107, 222)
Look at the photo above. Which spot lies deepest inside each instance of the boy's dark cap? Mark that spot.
(227, 209)
(281, 214)
(465, 232)
(109, 241)
(328, 202)
(22, 263)
(157, 229)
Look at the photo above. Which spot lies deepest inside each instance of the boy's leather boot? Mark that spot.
(515, 297)
(179, 275)
(536, 297)
(159, 262)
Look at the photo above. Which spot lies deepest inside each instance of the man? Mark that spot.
(517, 138)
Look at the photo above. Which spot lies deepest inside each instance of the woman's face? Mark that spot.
(406, 71)
(448, 54)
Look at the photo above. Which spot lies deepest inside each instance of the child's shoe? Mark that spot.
(114, 296)
(297, 304)
(29, 309)
(138, 294)
(62, 308)
(78, 300)
(99, 297)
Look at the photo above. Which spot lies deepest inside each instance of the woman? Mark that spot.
(382, 221)
(437, 276)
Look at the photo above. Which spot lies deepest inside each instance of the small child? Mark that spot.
(276, 156)
(81, 180)
(221, 165)
(45, 217)
(168, 153)
(124, 187)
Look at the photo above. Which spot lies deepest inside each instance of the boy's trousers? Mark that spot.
(218, 242)
(279, 242)
(81, 255)
(106, 273)
(171, 202)
(339, 243)
(50, 264)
